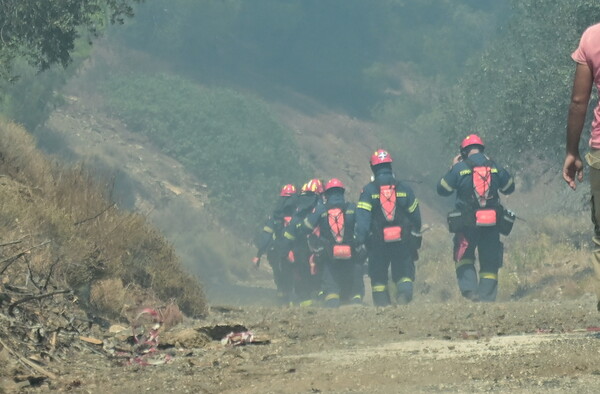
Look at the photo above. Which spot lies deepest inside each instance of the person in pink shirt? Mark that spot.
(587, 73)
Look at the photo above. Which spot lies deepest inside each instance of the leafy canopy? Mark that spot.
(44, 32)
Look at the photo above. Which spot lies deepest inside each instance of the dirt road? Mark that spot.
(532, 347)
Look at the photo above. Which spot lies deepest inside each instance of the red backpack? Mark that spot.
(336, 219)
(482, 181)
(387, 199)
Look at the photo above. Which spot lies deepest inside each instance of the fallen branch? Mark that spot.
(96, 216)
(8, 261)
(28, 363)
(18, 241)
(34, 297)
(50, 271)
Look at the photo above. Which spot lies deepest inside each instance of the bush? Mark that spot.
(229, 140)
(79, 236)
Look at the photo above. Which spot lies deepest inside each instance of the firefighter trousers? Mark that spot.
(342, 282)
(485, 242)
(398, 256)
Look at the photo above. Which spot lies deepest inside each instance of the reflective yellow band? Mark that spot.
(306, 303)
(289, 236)
(508, 185)
(268, 229)
(378, 288)
(307, 224)
(494, 170)
(405, 279)
(332, 296)
(357, 297)
(414, 206)
(464, 262)
(446, 186)
(488, 275)
(364, 205)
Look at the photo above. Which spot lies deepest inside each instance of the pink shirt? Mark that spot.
(588, 53)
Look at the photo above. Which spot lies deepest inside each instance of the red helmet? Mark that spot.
(334, 182)
(314, 185)
(380, 156)
(472, 139)
(288, 190)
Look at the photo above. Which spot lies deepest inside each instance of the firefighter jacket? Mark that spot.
(321, 218)
(370, 219)
(307, 203)
(460, 179)
(277, 222)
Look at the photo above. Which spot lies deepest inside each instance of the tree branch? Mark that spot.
(96, 216)
(12, 306)
(12, 259)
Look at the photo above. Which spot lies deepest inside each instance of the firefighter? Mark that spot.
(272, 231)
(388, 223)
(341, 278)
(306, 280)
(478, 218)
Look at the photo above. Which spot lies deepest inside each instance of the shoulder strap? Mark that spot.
(335, 219)
(387, 198)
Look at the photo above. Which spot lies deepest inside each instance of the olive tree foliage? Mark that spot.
(518, 93)
(44, 32)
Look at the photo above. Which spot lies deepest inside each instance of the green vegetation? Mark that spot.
(348, 54)
(229, 140)
(518, 93)
(44, 32)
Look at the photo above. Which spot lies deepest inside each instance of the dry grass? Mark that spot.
(544, 259)
(92, 247)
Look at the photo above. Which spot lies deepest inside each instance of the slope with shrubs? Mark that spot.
(228, 139)
(72, 232)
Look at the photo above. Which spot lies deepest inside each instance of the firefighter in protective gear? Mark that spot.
(341, 278)
(478, 217)
(272, 232)
(388, 223)
(306, 280)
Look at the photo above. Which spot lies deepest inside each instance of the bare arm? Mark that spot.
(580, 97)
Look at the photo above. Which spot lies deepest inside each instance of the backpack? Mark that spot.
(482, 182)
(387, 200)
(336, 220)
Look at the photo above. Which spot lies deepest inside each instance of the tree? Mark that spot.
(518, 95)
(44, 32)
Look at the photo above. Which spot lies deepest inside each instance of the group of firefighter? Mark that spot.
(317, 242)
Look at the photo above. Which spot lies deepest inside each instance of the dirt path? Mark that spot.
(529, 347)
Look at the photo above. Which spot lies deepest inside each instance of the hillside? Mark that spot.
(441, 342)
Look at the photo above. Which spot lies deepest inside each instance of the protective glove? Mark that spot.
(416, 239)
(256, 262)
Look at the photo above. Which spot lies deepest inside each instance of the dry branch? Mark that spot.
(34, 297)
(28, 363)
(18, 241)
(95, 216)
(8, 261)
